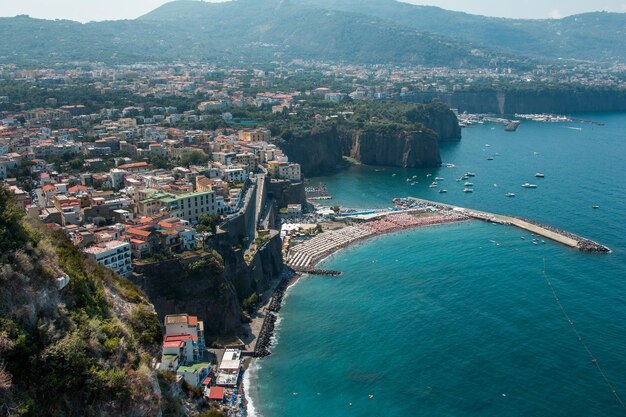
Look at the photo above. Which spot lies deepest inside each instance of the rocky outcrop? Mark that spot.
(318, 152)
(404, 149)
(198, 286)
(322, 152)
(210, 285)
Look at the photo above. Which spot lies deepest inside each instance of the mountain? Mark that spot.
(598, 36)
(238, 30)
(359, 31)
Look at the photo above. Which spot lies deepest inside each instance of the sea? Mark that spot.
(468, 319)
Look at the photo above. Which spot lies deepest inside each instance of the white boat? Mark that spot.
(595, 207)
(470, 174)
(439, 179)
(490, 158)
(468, 190)
(510, 194)
(408, 180)
(468, 184)
(527, 185)
(442, 191)
(434, 185)
(539, 175)
(429, 175)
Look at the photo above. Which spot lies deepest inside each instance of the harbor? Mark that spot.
(565, 238)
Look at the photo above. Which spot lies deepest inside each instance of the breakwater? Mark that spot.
(566, 238)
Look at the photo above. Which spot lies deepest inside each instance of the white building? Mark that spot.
(114, 255)
(228, 371)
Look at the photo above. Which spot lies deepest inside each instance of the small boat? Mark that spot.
(464, 177)
(434, 185)
(439, 179)
(490, 158)
(408, 180)
(535, 243)
(523, 238)
(393, 175)
(539, 175)
(429, 175)
(595, 207)
(458, 179)
(414, 176)
(414, 182)
(487, 145)
(468, 184)
(450, 165)
(470, 174)
(527, 185)
(370, 396)
(468, 190)
(442, 191)
(510, 195)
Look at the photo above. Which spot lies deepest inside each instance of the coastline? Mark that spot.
(249, 380)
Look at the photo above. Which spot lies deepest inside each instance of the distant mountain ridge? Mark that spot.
(363, 31)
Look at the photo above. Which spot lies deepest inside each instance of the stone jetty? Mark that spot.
(566, 238)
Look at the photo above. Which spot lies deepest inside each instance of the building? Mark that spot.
(255, 135)
(190, 206)
(195, 373)
(188, 329)
(114, 254)
(284, 170)
(229, 368)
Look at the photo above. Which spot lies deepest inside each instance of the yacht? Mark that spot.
(468, 190)
(510, 194)
(468, 184)
(442, 191)
(539, 175)
(527, 185)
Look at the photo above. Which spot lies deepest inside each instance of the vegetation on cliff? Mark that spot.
(81, 350)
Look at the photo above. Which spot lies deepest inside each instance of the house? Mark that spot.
(229, 368)
(114, 255)
(195, 373)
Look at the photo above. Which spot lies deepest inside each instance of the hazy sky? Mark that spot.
(86, 10)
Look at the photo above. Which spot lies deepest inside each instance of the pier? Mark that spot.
(565, 238)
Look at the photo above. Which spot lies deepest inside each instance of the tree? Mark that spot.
(195, 158)
(207, 223)
(12, 233)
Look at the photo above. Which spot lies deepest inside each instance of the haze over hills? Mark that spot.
(599, 36)
(368, 31)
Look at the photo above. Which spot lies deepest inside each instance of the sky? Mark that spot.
(87, 10)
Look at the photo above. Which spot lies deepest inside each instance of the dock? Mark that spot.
(560, 236)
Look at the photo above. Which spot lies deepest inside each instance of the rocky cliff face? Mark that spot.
(318, 153)
(210, 285)
(404, 149)
(322, 152)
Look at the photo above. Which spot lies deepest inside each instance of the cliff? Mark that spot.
(211, 285)
(318, 152)
(404, 149)
(544, 100)
(322, 152)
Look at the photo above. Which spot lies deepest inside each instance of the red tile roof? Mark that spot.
(216, 393)
(173, 344)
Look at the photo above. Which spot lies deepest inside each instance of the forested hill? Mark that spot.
(598, 36)
(359, 31)
(236, 31)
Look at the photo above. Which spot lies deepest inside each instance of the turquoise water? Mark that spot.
(443, 322)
